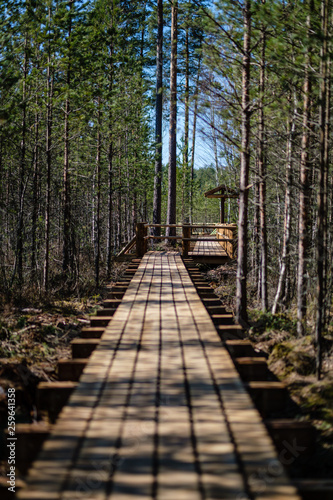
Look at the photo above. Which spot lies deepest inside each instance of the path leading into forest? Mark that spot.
(160, 411)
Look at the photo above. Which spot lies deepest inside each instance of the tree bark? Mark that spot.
(262, 174)
(67, 263)
(97, 232)
(172, 179)
(49, 93)
(241, 280)
(282, 292)
(33, 265)
(158, 122)
(212, 117)
(185, 187)
(303, 245)
(256, 234)
(196, 98)
(20, 226)
(322, 192)
(110, 160)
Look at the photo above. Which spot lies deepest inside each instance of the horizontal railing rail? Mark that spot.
(225, 236)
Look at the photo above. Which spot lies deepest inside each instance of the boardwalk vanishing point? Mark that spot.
(160, 411)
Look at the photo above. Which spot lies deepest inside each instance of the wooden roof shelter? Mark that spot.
(222, 192)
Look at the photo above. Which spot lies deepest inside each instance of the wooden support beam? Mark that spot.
(289, 431)
(230, 332)
(100, 320)
(121, 283)
(30, 438)
(223, 319)
(82, 348)
(240, 348)
(252, 368)
(216, 310)
(52, 396)
(107, 311)
(212, 301)
(315, 489)
(111, 303)
(71, 369)
(206, 294)
(115, 295)
(269, 397)
(118, 288)
(92, 332)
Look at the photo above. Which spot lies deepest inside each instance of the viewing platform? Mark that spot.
(206, 243)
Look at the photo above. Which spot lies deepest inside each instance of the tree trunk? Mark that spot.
(110, 208)
(49, 93)
(67, 194)
(262, 175)
(212, 113)
(158, 123)
(110, 162)
(172, 194)
(282, 292)
(241, 299)
(322, 192)
(193, 139)
(118, 236)
(185, 187)
(256, 234)
(67, 263)
(20, 226)
(97, 233)
(303, 246)
(33, 264)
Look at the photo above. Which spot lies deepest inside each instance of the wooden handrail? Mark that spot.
(207, 239)
(128, 247)
(162, 237)
(142, 236)
(164, 225)
(195, 226)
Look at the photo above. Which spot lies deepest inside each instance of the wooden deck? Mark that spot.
(160, 411)
(212, 248)
(210, 252)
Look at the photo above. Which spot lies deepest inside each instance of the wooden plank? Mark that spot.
(177, 475)
(134, 476)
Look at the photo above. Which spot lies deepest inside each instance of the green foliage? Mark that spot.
(268, 321)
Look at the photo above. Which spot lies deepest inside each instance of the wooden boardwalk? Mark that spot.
(208, 248)
(160, 411)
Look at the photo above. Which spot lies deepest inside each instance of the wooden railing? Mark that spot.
(226, 235)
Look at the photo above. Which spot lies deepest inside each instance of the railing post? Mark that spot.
(145, 241)
(141, 243)
(234, 231)
(186, 244)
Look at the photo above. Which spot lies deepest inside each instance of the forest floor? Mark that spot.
(34, 336)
